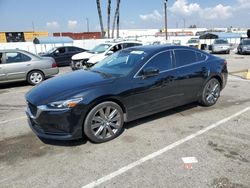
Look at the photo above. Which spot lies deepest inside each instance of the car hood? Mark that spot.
(82, 55)
(96, 58)
(66, 86)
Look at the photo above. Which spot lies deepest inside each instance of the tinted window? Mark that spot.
(61, 50)
(14, 57)
(162, 61)
(184, 57)
(128, 45)
(201, 56)
(72, 49)
(246, 42)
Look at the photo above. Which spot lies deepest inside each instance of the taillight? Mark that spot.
(54, 65)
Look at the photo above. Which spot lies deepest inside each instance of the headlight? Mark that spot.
(65, 104)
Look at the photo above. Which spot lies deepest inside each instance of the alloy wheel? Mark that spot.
(212, 92)
(106, 122)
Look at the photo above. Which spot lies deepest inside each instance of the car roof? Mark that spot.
(12, 50)
(159, 48)
(121, 42)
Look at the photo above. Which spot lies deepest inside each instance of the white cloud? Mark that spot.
(72, 24)
(53, 25)
(155, 16)
(244, 4)
(182, 7)
(217, 12)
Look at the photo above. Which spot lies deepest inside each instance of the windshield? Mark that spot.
(220, 42)
(120, 63)
(100, 48)
(246, 42)
(193, 41)
(51, 50)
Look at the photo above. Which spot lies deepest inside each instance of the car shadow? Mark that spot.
(13, 85)
(66, 143)
(159, 115)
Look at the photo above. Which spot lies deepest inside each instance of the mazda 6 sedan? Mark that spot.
(128, 85)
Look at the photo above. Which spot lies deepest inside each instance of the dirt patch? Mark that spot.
(227, 152)
(225, 183)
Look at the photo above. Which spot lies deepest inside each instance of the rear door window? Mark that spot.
(16, 57)
(184, 57)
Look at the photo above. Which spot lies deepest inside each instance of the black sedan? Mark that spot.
(128, 85)
(62, 55)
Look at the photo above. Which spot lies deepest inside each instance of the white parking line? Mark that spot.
(7, 121)
(161, 151)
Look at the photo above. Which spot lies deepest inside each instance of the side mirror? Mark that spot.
(109, 53)
(150, 72)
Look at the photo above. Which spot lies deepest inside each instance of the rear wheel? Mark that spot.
(210, 93)
(35, 77)
(104, 122)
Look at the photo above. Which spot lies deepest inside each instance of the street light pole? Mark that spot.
(87, 22)
(166, 19)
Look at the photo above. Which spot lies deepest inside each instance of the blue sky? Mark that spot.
(63, 15)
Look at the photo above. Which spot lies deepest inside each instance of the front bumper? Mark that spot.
(56, 125)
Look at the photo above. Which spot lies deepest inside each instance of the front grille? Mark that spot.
(33, 109)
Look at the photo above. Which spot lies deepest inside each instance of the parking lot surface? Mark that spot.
(147, 154)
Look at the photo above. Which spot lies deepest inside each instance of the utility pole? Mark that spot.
(166, 19)
(87, 22)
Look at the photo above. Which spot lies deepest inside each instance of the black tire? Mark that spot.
(210, 93)
(100, 130)
(35, 77)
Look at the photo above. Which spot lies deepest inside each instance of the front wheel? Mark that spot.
(104, 122)
(35, 77)
(211, 92)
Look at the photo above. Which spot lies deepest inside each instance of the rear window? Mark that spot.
(246, 42)
(184, 57)
(201, 56)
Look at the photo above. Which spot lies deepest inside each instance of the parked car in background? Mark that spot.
(244, 46)
(101, 51)
(62, 55)
(125, 86)
(221, 46)
(19, 65)
(193, 42)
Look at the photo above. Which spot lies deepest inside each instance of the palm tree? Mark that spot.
(116, 18)
(109, 10)
(100, 16)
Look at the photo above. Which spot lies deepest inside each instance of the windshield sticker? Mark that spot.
(137, 52)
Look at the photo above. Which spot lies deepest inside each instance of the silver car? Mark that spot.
(221, 46)
(18, 65)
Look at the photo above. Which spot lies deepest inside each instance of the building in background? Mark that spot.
(79, 36)
(27, 36)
